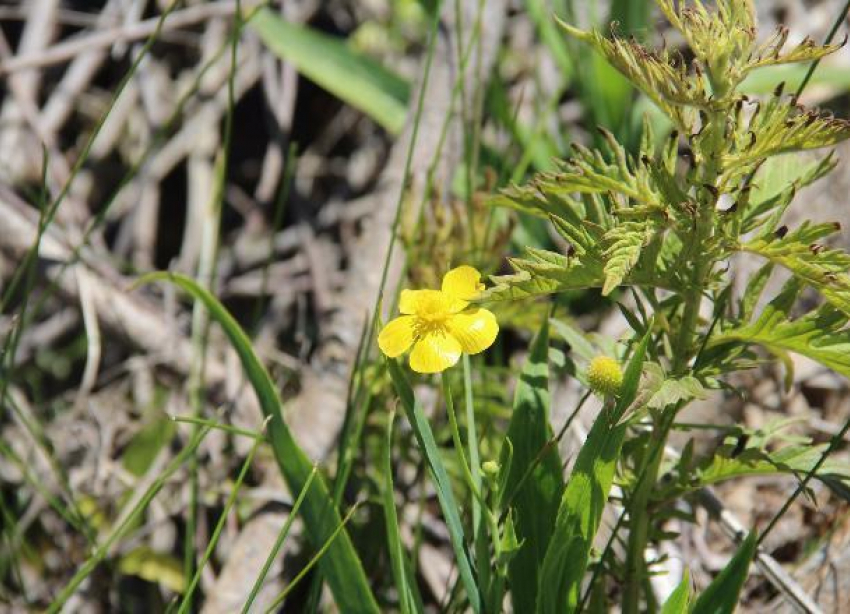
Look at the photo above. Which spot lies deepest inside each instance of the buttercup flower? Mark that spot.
(439, 324)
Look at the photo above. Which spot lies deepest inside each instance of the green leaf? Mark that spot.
(409, 598)
(665, 82)
(777, 182)
(721, 596)
(341, 565)
(624, 244)
(779, 126)
(824, 269)
(534, 483)
(329, 62)
(722, 40)
(584, 499)
(428, 446)
(769, 53)
(821, 335)
(665, 391)
(677, 602)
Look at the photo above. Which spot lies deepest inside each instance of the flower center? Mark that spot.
(430, 324)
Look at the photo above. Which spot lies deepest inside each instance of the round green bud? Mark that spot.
(605, 376)
(490, 468)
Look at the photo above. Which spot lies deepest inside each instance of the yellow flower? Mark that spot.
(438, 324)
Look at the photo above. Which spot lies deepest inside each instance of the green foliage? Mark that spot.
(534, 483)
(584, 499)
(721, 596)
(451, 511)
(666, 226)
(821, 334)
(357, 79)
(341, 565)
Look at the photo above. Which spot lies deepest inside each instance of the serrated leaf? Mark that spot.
(822, 334)
(824, 269)
(534, 483)
(779, 126)
(721, 40)
(769, 53)
(624, 243)
(666, 82)
(777, 182)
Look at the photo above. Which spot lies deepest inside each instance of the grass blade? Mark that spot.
(722, 594)
(428, 446)
(329, 62)
(584, 499)
(534, 484)
(341, 566)
(409, 600)
(284, 532)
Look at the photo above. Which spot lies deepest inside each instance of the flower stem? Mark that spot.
(492, 523)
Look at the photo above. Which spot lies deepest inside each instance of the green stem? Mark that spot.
(492, 522)
(638, 517)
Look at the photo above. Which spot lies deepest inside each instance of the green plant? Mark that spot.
(646, 223)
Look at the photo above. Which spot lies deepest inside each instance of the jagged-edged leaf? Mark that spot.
(532, 200)
(821, 335)
(664, 79)
(791, 460)
(721, 40)
(779, 126)
(638, 187)
(623, 245)
(673, 391)
(657, 390)
(778, 181)
(769, 53)
(825, 269)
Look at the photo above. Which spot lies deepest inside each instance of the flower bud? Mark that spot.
(605, 376)
(490, 468)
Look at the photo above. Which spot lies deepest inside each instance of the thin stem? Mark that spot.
(456, 440)
(472, 439)
(492, 523)
(638, 517)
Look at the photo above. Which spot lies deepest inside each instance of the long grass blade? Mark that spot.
(341, 567)
(451, 512)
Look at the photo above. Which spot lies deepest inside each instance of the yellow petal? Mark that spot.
(424, 302)
(475, 330)
(434, 353)
(397, 336)
(463, 283)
